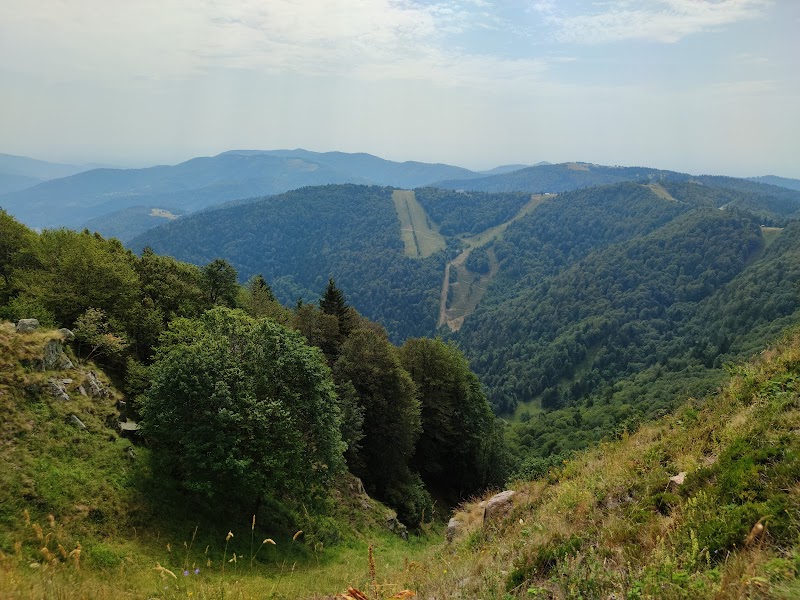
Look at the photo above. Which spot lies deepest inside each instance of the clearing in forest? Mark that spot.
(467, 287)
(420, 235)
(660, 191)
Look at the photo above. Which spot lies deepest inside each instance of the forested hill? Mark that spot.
(649, 282)
(299, 239)
(571, 176)
(612, 313)
(558, 178)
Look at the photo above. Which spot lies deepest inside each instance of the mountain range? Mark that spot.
(82, 198)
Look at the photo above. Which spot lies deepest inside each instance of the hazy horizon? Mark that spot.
(697, 86)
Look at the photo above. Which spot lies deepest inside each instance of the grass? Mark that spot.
(609, 523)
(660, 191)
(420, 235)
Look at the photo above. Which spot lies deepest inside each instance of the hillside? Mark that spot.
(127, 223)
(554, 299)
(299, 239)
(84, 514)
(792, 184)
(557, 178)
(571, 176)
(700, 504)
(201, 182)
(20, 172)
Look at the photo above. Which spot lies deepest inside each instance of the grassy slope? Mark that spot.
(82, 515)
(420, 236)
(609, 523)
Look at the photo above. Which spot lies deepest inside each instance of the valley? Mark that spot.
(468, 288)
(564, 320)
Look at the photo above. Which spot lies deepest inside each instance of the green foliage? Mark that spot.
(92, 328)
(452, 454)
(78, 271)
(219, 282)
(387, 396)
(240, 408)
(16, 246)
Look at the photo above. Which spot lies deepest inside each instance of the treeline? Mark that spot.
(298, 239)
(248, 403)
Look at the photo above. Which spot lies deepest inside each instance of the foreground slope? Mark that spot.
(701, 504)
(84, 515)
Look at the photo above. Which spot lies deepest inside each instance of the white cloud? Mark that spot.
(118, 40)
(665, 21)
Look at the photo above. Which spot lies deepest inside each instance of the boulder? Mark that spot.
(453, 529)
(395, 526)
(27, 325)
(128, 428)
(54, 358)
(94, 387)
(498, 505)
(77, 422)
(58, 389)
(66, 334)
(677, 480)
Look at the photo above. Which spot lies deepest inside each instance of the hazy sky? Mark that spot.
(705, 86)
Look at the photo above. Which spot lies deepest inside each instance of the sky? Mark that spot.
(702, 86)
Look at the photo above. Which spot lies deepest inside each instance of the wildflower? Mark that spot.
(197, 571)
(229, 536)
(186, 573)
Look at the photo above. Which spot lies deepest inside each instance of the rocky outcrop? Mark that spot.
(395, 526)
(66, 334)
(27, 325)
(58, 389)
(94, 387)
(54, 359)
(453, 529)
(498, 505)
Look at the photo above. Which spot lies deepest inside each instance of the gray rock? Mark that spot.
(395, 526)
(66, 334)
(498, 505)
(27, 325)
(82, 390)
(94, 387)
(54, 358)
(128, 429)
(677, 480)
(77, 422)
(453, 529)
(57, 389)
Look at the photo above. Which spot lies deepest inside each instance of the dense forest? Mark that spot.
(299, 239)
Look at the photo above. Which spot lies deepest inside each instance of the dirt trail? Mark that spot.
(471, 285)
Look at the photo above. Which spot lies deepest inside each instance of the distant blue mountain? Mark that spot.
(201, 182)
